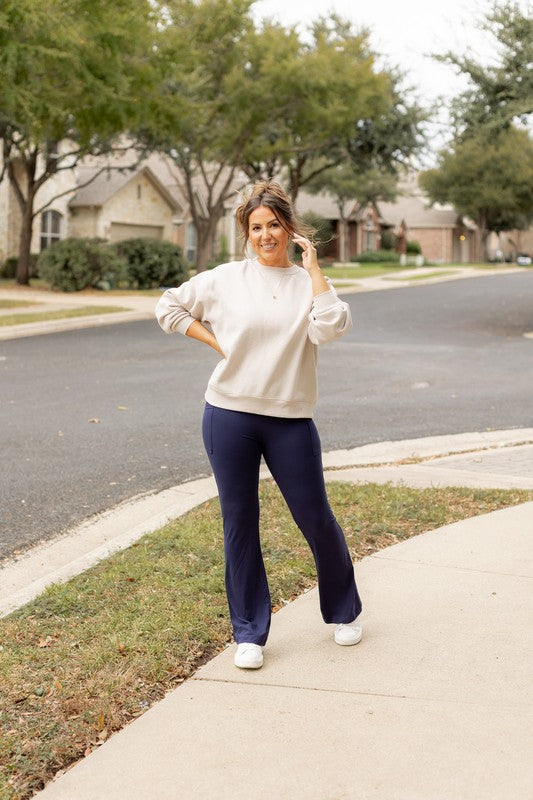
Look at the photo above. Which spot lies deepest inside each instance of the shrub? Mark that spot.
(75, 264)
(388, 239)
(150, 263)
(413, 247)
(9, 267)
(377, 256)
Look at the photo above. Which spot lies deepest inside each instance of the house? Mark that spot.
(91, 199)
(442, 234)
(114, 198)
(120, 198)
(116, 205)
(506, 246)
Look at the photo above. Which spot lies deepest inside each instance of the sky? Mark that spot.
(406, 34)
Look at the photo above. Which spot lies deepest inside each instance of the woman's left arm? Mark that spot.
(311, 265)
(330, 317)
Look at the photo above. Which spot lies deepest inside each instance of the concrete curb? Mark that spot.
(60, 559)
(75, 323)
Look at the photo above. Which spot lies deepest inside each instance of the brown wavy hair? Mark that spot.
(271, 195)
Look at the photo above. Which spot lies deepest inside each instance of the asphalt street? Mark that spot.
(93, 417)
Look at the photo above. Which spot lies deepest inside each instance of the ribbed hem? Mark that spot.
(260, 405)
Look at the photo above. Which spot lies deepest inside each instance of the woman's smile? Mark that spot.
(268, 238)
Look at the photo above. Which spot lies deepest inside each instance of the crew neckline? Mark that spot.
(274, 270)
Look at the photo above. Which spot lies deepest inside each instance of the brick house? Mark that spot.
(441, 233)
(357, 232)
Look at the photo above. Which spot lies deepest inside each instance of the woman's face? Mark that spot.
(268, 238)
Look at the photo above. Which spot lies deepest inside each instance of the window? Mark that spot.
(50, 228)
(191, 241)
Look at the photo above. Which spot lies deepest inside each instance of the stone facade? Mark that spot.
(137, 204)
(137, 208)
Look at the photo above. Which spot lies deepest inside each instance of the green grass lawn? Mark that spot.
(90, 655)
(67, 313)
(362, 271)
(423, 276)
(17, 303)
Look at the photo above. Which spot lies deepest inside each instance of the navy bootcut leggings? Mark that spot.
(235, 442)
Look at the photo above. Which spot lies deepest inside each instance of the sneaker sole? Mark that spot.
(248, 666)
(350, 643)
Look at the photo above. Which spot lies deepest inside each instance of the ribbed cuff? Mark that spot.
(184, 324)
(325, 300)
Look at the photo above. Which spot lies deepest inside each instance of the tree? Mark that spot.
(502, 91)
(488, 177)
(74, 77)
(205, 88)
(313, 95)
(347, 186)
(256, 101)
(388, 139)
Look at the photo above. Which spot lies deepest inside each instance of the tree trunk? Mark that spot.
(481, 235)
(23, 263)
(206, 228)
(344, 240)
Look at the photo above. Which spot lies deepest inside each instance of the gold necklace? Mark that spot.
(277, 286)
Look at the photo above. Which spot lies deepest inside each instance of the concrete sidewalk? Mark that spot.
(433, 704)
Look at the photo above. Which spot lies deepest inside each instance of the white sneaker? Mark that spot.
(348, 633)
(249, 656)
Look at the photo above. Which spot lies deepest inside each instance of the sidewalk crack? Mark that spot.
(450, 566)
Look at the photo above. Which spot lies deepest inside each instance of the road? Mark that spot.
(93, 417)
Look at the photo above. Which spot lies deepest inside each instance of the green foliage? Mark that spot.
(266, 101)
(387, 138)
(378, 256)
(488, 177)
(322, 231)
(412, 246)
(330, 98)
(9, 267)
(75, 77)
(388, 239)
(208, 114)
(501, 91)
(150, 263)
(348, 184)
(75, 264)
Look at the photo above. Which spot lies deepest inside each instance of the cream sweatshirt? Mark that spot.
(268, 325)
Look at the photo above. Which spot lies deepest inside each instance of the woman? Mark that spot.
(266, 317)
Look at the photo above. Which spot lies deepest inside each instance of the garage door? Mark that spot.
(120, 231)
